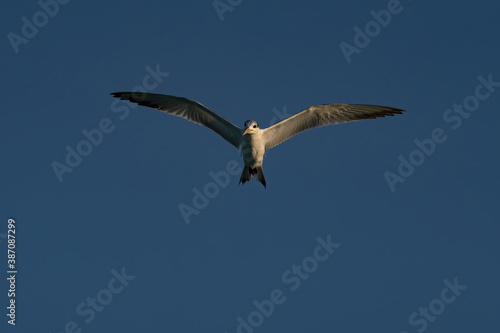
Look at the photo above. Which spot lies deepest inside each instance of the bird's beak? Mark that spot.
(246, 131)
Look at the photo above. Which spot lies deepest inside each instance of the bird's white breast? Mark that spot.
(253, 149)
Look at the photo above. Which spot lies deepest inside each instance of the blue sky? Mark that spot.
(387, 225)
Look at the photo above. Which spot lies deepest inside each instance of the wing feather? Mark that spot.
(187, 109)
(322, 115)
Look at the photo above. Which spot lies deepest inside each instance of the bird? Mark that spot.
(251, 140)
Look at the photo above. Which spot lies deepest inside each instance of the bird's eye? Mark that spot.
(254, 126)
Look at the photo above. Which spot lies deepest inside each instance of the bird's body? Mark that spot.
(252, 140)
(253, 148)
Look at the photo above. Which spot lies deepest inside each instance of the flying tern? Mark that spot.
(252, 140)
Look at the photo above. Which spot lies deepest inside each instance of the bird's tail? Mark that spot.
(249, 172)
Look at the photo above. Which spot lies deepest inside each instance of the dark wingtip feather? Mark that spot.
(388, 111)
(140, 98)
(131, 96)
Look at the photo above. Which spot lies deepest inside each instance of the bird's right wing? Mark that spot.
(322, 115)
(187, 109)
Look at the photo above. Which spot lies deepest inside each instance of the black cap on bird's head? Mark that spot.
(251, 123)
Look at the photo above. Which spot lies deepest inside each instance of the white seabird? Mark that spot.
(253, 140)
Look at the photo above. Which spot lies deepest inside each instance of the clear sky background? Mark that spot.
(402, 244)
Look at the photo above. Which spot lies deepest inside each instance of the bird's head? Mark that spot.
(251, 126)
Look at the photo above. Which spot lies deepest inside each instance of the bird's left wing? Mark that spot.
(187, 109)
(321, 115)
